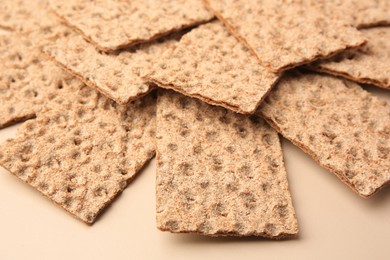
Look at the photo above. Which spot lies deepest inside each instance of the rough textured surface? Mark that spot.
(285, 33)
(343, 127)
(116, 75)
(112, 25)
(219, 173)
(210, 64)
(27, 82)
(369, 64)
(359, 13)
(83, 149)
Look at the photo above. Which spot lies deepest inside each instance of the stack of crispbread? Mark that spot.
(206, 85)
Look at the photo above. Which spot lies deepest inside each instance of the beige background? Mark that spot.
(334, 222)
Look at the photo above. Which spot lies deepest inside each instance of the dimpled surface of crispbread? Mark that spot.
(83, 149)
(219, 173)
(27, 80)
(285, 33)
(359, 13)
(116, 75)
(369, 64)
(343, 127)
(210, 64)
(113, 25)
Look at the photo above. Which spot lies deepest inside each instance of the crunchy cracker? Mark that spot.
(343, 127)
(284, 34)
(116, 75)
(369, 64)
(210, 64)
(83, 149)
(219, 173)
(113, 25)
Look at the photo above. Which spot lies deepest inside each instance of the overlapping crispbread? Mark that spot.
(210, 64)
(27, 80)
(113, 25)
(369, 64)
(83, 149)
(343, 127)
(116, 75)
(219, 173)
(284, 34)
(359, 13)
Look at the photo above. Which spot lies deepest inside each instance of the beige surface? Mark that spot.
(334, 222)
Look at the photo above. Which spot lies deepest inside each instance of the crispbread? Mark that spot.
(83, 149)
(284, 34)
(27, 82)
(359, 13)
(113, 25)
(369, 64)
(210, 64)
(219, 173)
(343, 127)
(116, 75)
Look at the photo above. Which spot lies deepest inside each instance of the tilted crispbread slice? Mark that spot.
(27, 80)
(116, 75)
(210, 64)
(83, 149)
(113, 25)
(369, 64)
(284, 34)
(219, 173)
(343, 127)
(359, 13)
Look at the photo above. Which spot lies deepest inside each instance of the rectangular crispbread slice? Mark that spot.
(343, 127)
(83, 149)
(359, 13)
(113, 25)
(116, 75)
(219, 173)
(285, 34)
(369, 64)
(27, 81)
(210, 64)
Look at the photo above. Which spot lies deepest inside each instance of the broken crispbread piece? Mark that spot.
(83, 149)
(210, 64)
(27, 81)
(343, 127)
(116, 75)
(369, 64)
(219, 173)
(282, 34)
(113, 25)
(359, 13)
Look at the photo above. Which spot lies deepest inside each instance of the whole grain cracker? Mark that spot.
(27, 81)
(284, 34)
(359, 13)
(219, 173)
(369, 64)
(343, 127)
(113, 25)
(116, 75)
(210, 64)
(83, 149)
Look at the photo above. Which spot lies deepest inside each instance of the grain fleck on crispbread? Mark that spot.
(83, 149)
(343, 127)
(369, 64)
(219, 173)
(116, 75)
(113, 25)
(285, 34)
(210, 64)
(27, 81)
